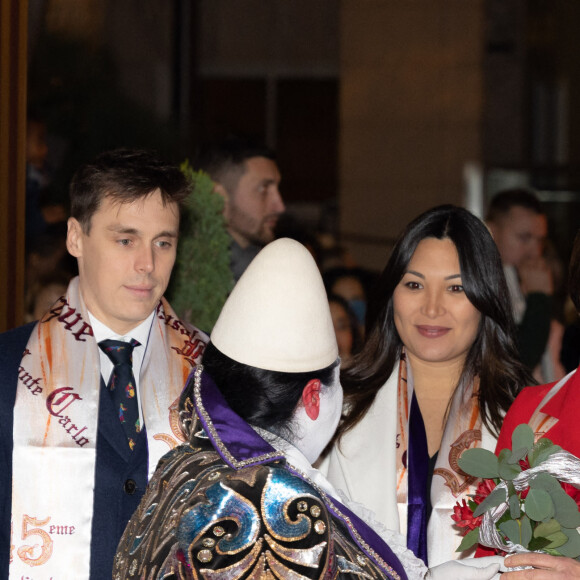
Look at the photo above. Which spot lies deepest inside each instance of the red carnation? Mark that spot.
(463, 517)
(485, 487)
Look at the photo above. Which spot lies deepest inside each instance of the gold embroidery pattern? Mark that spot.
(463, 442)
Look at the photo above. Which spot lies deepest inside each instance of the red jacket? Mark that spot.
(565, 406)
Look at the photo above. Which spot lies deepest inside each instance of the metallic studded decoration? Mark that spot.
(218, 531)
(315, 511)
(319, 527)
(204, 556)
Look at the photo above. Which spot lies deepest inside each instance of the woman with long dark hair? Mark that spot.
(438, 371)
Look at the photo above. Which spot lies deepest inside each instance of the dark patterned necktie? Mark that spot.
(122, 385)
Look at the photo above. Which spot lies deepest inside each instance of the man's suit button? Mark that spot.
(130, 486)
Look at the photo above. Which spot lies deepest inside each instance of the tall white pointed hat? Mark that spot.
(277, 317)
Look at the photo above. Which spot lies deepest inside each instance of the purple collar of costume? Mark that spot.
(236, 442)
(367, 539)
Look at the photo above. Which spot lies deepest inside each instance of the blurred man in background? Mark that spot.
(247, 176)
(519, 227)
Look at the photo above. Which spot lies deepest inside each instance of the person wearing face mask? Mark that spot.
(348, 284)
(437, 373)
(241, 496)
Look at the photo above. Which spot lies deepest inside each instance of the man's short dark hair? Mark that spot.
(124, 175)
(503, 202)
(230, 155)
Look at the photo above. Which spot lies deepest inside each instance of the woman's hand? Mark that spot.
(545, 567)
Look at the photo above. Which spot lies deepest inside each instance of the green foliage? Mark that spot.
(507, 469)
(566, 509)
(469, 540)
(518, 531)
(495, 498)
(515, 509)
(545, 529)
(539, 505)
(202, 278)
(479, 462)
(522, 437)
(545, 517)
(572, 547)
(541, 451)
(545, 481)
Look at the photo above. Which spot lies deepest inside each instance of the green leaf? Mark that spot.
(541, 451)
(566, 509)
(514, 503)
(539, 505)
(503, 455)
(545, 481)
(518, 454)
(511, 529)
(523, 437)
(479, 462)
(537, 544)
(507, 470)
(572, 547)
(557, 539)
(504, 518)
(526, 531)
(495, 498)
(539, 446)
(543, 455)
(469, 540)
(546, 528)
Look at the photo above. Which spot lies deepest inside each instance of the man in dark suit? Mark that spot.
(89, 393)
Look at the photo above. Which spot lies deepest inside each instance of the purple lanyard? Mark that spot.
(417, 474)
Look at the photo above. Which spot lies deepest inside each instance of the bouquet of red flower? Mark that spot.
(528, 500)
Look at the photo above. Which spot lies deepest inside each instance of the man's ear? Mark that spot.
(221, 190)
(311, 398)
(74, 238)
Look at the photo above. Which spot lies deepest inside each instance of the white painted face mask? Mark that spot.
(312, 436)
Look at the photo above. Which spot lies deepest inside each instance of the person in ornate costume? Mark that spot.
(437, 372)
(241, 498)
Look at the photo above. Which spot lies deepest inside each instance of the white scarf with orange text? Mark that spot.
(55, 430)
